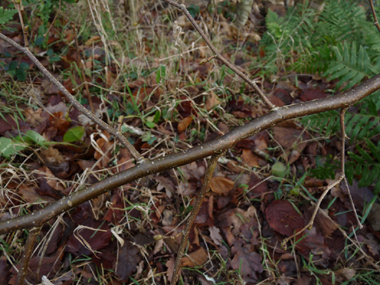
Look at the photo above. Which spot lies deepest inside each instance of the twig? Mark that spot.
(148, 167)
(18, 5)
(135, 154)
(24, 263)
(220, 57)
(336, 182)
(198, 203)
(81, 66)
(376, 23)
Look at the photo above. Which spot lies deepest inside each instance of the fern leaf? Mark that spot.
(6, 15)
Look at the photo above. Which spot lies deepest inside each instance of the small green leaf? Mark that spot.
(161, 71)
(9, 147)
(279, 169)
(150, 124)
(74, 134)
(193, 10)
(34, 137)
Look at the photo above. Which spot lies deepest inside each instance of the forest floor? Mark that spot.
(151, 82)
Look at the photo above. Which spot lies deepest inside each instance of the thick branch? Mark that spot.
(218, 145)
(136, 155)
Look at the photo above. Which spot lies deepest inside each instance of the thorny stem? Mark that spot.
(336, 182)
(376, 23)
(198, 203)
(135, 154)
(24, 263)
(221, 58)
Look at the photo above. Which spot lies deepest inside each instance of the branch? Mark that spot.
(24, 263)
(136, 155)
(376, 23)
(220, 57)
(148, 167)
(197, 206)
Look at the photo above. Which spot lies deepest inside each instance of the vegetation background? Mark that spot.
(144, 70)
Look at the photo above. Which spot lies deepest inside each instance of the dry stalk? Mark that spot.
(24, 263)
(221, 58)
(336, 182)
(190, 221)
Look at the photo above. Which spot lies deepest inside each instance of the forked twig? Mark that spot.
(198, 203)
(24, 263)
(336, 182)
(182, 7)
(376, 23)
(135, 154)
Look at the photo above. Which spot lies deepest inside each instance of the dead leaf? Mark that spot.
(195, 258)
(221, 185)
(170, 265)
(290, 138)
(246, 261)
(215, 235)
(249, 158)
(184, 124)
(129, 258)
(283, 218)
(212, 101)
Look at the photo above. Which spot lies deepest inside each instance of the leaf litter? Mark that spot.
(132, 234)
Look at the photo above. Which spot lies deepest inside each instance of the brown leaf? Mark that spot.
(195, 258)
(221, 185)
(184, 124)
(312, 94)
(247, 262)
(290, 138)
(251, 159)
(170, 265)
(283, 218)
(104, 150)
(212, 101)
(215, 235)
(128, 259)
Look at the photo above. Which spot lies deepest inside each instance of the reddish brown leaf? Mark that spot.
(283, 218)
(312, 94)
(246, 261)
(184, 124)
(249, 158)
(221, 185)
(289, 137)
(195, 258)
(128, 259)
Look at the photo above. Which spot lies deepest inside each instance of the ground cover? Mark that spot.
(155, 81)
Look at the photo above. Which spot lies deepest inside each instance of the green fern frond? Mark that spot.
(351, 65)
(6, 15)
(365, 166)
(358, 126)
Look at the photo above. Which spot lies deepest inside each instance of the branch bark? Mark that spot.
(148, 167)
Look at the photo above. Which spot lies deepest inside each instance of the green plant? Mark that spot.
(341, 44)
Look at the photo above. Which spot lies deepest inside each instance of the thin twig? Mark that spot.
(336, 182)
(198, 203)
(24, 32)
(81, 66)
(24, 263)
(220, 57)
(376, 23)
(135, 154)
